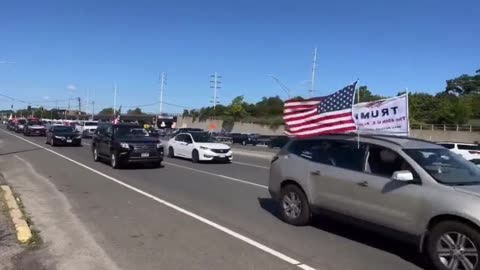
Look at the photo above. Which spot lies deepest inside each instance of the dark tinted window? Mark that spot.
(468, 147)
(447, 145)
(180, 137)
(129, 131)
(202, 137)
(63, 129)
(302, 148)
(384, 162)
(343, 154)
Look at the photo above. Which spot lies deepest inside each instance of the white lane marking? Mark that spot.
(214, 174)
(252, 165)
(179, 209)
(219, 175)
(306, 267)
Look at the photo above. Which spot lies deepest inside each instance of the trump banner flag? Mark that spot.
(387, 116)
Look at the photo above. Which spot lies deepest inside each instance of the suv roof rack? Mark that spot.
(384, 137)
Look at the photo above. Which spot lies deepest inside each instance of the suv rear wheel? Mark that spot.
(454, 245)
(114, 161)
(95, 154)
(294, 208)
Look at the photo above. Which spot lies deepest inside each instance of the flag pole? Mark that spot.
(358, 101)
(407, 112)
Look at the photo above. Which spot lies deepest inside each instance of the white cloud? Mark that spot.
(46, 97)
(6, 62)
(71, 87)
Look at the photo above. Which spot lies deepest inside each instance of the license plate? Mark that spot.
(145, 154)
(222, 156)
(37, 131)
(69, 141)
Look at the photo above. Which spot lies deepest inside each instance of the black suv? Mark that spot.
(122, 144)
(244, 139)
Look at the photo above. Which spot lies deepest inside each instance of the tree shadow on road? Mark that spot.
(358, 234)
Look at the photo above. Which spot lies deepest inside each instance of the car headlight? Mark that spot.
(78, 137)
(204, 148)
(60, 137)
(124, 145)
(159, 145)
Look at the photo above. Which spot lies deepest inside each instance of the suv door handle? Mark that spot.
(363, 184)
(317, 172)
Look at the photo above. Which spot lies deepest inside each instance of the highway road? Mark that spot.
(193, 216)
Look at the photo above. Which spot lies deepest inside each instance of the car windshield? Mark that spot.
(125, 131)
(201, 137)
(63, 129)
(91, 123)
(468, 147)
(446, 167)
(35, 123)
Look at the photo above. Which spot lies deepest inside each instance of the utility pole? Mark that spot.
(314, 67)
(114, 99)
(86, 105)
(93, 109)
(215, 80)
(163, 82)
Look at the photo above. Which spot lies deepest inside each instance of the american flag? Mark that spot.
(322, 115)
(116, 120)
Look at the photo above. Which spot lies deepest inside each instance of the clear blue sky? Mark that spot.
(46, 46)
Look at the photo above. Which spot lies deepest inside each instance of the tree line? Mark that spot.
(458, 103)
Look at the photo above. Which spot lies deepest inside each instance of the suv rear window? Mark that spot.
(343, 154)
(448, 145)
(468, 147)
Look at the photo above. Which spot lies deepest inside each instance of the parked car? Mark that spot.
(34, 127)
(63, 135)
(244, 139)
(123, 144)
(20, 125)
(198, 146)
(11, 124)
(87, 128)
(401, 186)
(263, 139)
(278, 141)
(466, 150)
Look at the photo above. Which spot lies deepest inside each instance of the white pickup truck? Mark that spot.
(87, 128)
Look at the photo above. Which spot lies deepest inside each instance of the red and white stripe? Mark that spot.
(303, 120)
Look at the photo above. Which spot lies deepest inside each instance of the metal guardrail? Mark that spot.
(440, 127)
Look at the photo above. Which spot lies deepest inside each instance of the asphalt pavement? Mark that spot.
(197, 216)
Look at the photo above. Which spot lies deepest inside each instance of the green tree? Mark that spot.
(366, 95)
(136, 111)
(236, 109)
(464, 84)
(106, 111)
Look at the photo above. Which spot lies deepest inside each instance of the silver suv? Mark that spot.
(403, 186)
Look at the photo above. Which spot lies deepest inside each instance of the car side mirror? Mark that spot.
(404, 176)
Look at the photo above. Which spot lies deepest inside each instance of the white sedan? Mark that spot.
(198, 146)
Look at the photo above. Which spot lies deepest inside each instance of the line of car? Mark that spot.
(416, 190)
(127, 143)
